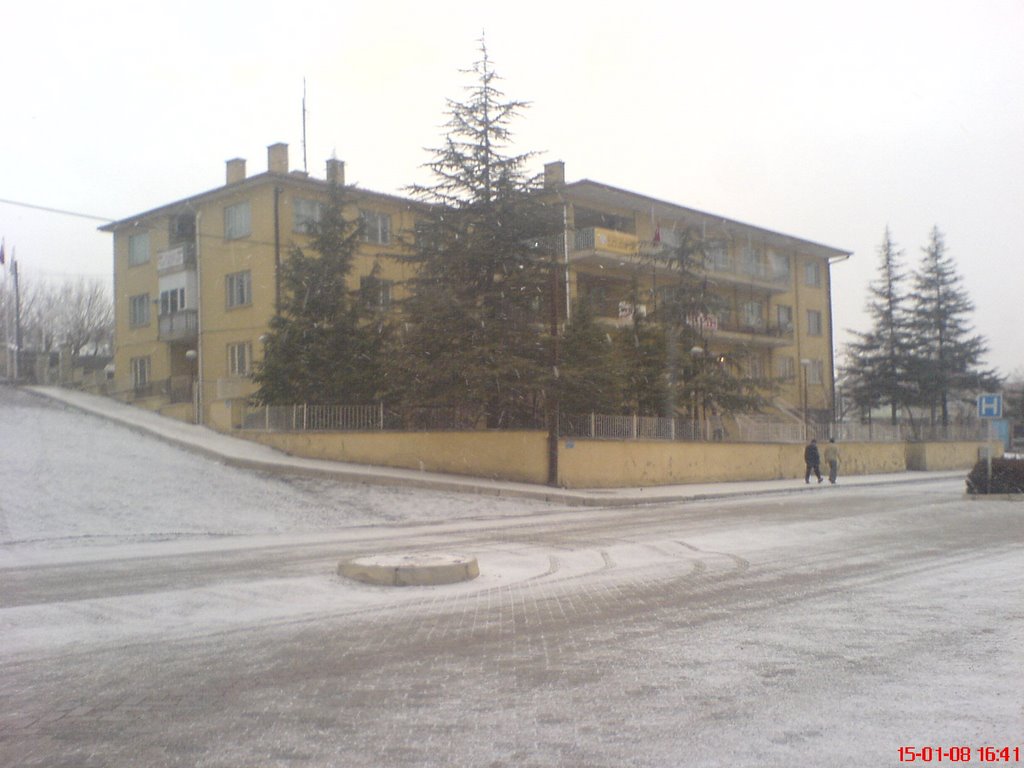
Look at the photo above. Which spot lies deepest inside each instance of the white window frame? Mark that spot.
(750, 262)
(138, 311)
(238, 289)
(141, 372)
(240, 359)
(376, 227)
(755, 367)
(376, 292)
(716, 256)
(138, 249)
(785, 367)
(752, 313)
(784, 317)
(306, 214)
(815, 372)
(172, 301)
(812, 274)
(815, 322)
(238, 221)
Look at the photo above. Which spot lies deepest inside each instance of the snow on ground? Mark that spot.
(826, 627)
(72, 479)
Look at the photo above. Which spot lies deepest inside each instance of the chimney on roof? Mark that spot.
(235, 170)
(554, 174)
(336, 171)
(277, 158)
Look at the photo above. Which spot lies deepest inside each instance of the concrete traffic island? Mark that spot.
(414, 569)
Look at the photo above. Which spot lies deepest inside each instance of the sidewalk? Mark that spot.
(242, 453)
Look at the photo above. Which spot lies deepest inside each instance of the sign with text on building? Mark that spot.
(990, 406)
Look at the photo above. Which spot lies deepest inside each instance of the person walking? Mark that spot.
(813, 461)
(832, 459)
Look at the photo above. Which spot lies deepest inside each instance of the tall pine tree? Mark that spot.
(591, 370)
(945, 351)
(318, 349)
(877, 367)
(475, 321)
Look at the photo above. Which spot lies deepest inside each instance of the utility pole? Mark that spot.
(552, 395)
(17, 316)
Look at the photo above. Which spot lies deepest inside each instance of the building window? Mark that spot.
(239, 289)
(815, 372)
(140, 373)
(376, 293)
(813, 322)
(305, 215)
(138, 249)
(237, 221)
(785, 368)
(752, 314)
(376, 227)
(138, 310)
(812, 274)
(172, 301)
(751, 263)
(239, 359)
(716, 256)
(181, 229)
(426, 236)
(754, 366)
(779, 265)
(784, 317)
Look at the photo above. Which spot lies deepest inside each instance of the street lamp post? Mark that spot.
(698, 353)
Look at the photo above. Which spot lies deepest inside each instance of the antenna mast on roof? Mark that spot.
(305, 165)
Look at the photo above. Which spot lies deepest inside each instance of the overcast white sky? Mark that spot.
(823, 120)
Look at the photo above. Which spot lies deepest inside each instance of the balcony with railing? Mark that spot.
(600, 246)
(758, 333)
(767, 276)
(180, 256)
(182, 325)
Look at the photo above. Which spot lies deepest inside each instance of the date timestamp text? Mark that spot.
(960, 754)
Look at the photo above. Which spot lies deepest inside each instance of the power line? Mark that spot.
(79, 214)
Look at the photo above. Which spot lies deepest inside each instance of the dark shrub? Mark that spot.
(1007, 477)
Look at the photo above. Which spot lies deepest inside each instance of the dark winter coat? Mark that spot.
(811, 456)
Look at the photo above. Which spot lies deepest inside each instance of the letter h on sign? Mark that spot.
(990, 406)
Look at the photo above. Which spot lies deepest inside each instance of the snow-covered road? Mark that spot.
(160, 609)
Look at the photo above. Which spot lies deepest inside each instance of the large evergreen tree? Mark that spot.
(945, 351)
(319, 349)
(475, 321)
(591, 373)
(877, 360)
(695, 378)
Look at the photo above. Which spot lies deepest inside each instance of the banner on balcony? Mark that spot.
(702, 322)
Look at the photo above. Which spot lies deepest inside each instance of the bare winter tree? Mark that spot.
(85, 316)
(78, 314)
(39, 305)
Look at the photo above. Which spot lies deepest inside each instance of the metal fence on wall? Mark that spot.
(356, 418)
(596, 426)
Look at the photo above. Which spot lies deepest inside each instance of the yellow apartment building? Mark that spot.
(775, 289)
(196, 281)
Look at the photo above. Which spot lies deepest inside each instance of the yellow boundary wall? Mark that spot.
(518, 456)
(522, 456)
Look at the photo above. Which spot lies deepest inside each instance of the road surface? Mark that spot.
(826, 628)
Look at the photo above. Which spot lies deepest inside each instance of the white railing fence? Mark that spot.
(597, 426)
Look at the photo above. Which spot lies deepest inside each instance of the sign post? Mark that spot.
(990, 406)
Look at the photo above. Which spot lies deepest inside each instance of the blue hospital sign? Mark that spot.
(990, 406)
